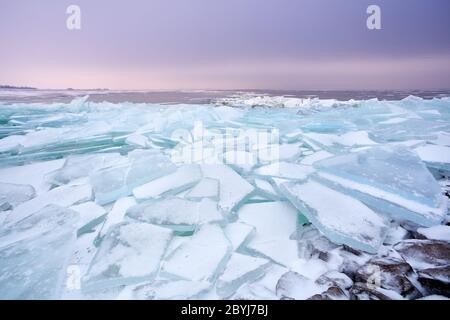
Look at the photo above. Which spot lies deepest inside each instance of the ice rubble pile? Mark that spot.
(93, 203)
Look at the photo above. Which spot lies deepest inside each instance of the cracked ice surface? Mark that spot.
(106, 201)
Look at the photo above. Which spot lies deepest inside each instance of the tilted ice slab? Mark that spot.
(13, 194)
(180, 180)
(232, 189)
(63, 196)
(112, 183)
(285, 170)
(34, 254)
(238, 233)
(91, 215)
(391, 179)
(202, 258)
(274, 222)
(206, 188)
(81, 166)
(240, 269)
(178, 214)
(116, 214)
(436, 157)
(129, 253)
(342, 219)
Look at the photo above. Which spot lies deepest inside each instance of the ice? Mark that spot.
(81, 166)
(34, 254)
(263, 288)
(171, 290)
(340, 218)
(274, 222)
(91, 215)
(232, 187)
(12, 195)
(63, 196)
(362, 175)
(31, 174)
(200, 259)
(112, 183)
(436, 233)
(239, 233)
(206, 188)
(138, 140)
(391, 179)
(265, 188)
(129, 253)
(178, 214)
(117, 214)
(320, 155)
(182, 179)
(239, 270)
(436, 157)
(285, 170)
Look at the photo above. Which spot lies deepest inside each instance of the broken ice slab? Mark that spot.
(116, 214)
(46, 220)
(182, 179)
(91, 215)
(265, 189)
(138, 140)
(171, 290)
(239, 270)
(441, 232)
(342, 219)
(274, 223)
(13, 194)
(34, 254)
(238, 233)
(436, 157)
(410, 129)
(112, 183)
(232, 187)
(202, 258)
(206, 188)
(349, 139)
(285, 170)
(263, 288)
(63, 196)
(82, 165)
(178, 214)
(31, 174)
(313, 158)
(129, 253)
(391, 180)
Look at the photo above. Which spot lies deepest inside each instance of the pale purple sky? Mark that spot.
(226, 44)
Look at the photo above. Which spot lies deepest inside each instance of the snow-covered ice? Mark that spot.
(137, 203)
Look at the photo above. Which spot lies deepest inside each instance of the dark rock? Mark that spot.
(333, 293)
(436, 280)
(424, 254)
(361, 291)
(389, 273)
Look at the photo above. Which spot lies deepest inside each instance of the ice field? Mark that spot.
(248, 197)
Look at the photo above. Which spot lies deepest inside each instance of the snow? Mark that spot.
(342, 219)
